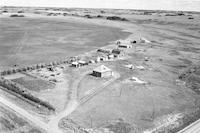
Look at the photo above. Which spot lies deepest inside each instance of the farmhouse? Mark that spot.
(102, 71)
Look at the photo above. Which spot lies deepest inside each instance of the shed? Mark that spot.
(125, 45)
(82, 63)
(110, 56)
(102, 71)
(75, 64)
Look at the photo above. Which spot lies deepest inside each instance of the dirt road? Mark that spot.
(29, 116)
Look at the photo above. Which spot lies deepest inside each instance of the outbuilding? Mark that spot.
(75, 64)
(104, 58)
(82, 63)
(102, 71)
(118, 52)
(125, 45)
(110, 56)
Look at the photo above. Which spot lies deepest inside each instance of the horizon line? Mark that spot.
(105, 8)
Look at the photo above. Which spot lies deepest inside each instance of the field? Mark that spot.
(159, 93)
(30, 40)
(34, 84)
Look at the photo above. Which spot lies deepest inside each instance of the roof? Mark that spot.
(102, 68)
(123, 44)
(74, 63)
(81, 62)
(116, 51)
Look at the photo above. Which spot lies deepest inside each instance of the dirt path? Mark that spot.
(97, 90)
(71, 106)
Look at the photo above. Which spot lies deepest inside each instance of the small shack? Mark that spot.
(102, 71)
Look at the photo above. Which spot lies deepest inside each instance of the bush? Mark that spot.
(16, 15)
(20, 12)
(88, 16)
(190, 18)
(99, 16)
(116, 18)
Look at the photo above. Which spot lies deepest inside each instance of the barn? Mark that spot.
(102, 71)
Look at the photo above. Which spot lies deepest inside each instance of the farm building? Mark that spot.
(102, 71)
(103, 50)
(98, 59)
(75, 64)
(82, 63)
(104, 58)
(125, 45)
(118, 52)
(110, 56)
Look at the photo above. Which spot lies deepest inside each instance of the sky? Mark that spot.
(185, 5)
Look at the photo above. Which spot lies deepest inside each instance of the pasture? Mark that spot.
(31, 40)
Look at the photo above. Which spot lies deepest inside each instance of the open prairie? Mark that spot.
(154, 84)
(25, 41)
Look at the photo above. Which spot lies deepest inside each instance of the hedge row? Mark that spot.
(116, 18)
(37, 66)
(22, 91)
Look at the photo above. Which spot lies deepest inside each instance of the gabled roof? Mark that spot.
(102, 68)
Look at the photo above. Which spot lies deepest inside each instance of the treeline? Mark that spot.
(16, 15)
(34, 67)
(22, 91)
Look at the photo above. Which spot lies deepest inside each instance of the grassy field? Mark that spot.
(124, 106)
(25, 41)
(34, 84)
